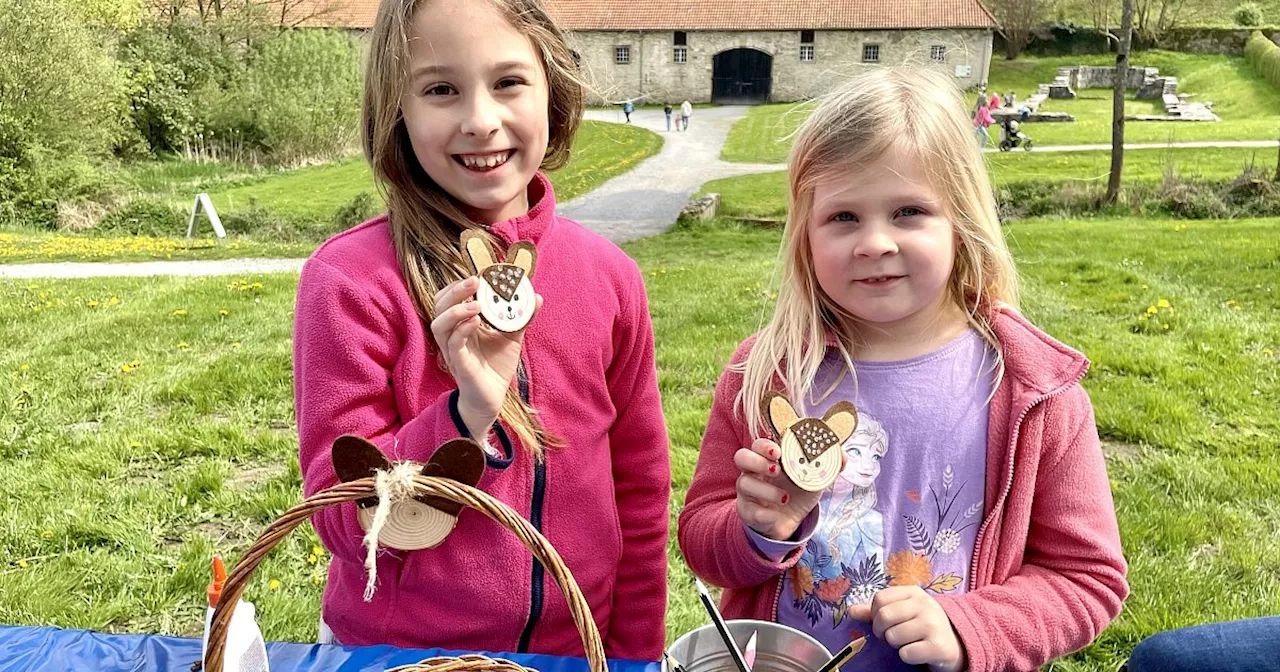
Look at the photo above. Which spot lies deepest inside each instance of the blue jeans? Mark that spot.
(669, 128)
(1251, 645)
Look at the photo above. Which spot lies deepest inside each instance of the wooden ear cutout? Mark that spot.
(477, 250)
(524, 255)
(779, 412)
(461, 460)
(842, 418)
(354, 458)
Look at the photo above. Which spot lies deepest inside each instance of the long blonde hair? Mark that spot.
(426, 222)
(917, 110)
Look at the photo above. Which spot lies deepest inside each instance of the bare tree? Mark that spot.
(1117, 101)
(1016, 19)
(294, 13)
(1154, 17)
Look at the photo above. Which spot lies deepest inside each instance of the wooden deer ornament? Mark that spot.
(418, 523)
(811, 447)
(506, 296)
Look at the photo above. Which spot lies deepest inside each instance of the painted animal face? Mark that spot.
(418, 523)
(506, 297)
(811, 447)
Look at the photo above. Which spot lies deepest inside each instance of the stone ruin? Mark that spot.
(1150, 85)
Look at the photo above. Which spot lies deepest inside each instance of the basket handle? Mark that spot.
(444, 488)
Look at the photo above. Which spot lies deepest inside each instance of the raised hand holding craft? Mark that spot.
(811, 447)
(506, 297)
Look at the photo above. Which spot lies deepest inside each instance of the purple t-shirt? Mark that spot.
(906, 508)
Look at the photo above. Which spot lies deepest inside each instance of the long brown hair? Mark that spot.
(426, 222)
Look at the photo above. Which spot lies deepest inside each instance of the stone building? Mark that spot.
(752, 51)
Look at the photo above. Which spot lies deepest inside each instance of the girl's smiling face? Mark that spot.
(475, 106)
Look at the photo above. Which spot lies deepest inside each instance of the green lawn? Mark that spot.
(148, 422)
(601, 151)
(1248, 105)
(298, 198)
(764, 196)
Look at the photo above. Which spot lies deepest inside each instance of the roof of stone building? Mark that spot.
(726, 15)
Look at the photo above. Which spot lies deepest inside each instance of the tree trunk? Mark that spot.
(1117, 102)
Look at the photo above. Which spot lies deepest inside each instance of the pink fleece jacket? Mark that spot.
(364, 363)
(1048, 573)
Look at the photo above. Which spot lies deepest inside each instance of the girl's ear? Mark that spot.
(477, 250)
(524, 255)
(779, 412)
(842, 418)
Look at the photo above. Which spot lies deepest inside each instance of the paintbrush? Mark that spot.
(721, 627)
(673, 665)
(845, 654)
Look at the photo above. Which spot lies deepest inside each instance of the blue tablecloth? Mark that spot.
(31, 649)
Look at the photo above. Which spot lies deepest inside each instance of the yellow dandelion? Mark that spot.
(135, 444)
(46, 534)
(274, 584)
(235, 344)
(1267, 352)
(312, 559)
(113, 301)
(316, 580)
(92, 303)
(316, 550)
(24, 367)
(182, 345)
(1162, 303)
(179, 313)
(23, 564)
(224, 312)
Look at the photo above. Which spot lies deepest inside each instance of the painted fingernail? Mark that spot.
(786, 498)
(773, 452)
(773, 468)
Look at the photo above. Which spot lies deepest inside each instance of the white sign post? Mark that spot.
(203, 203)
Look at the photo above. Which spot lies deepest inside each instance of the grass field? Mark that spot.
(1248, 105)
(147, 423)
(300, 196)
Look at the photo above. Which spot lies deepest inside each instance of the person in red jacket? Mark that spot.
(465, 103)
(970, 524)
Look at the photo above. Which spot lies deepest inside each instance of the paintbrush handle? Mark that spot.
(722, 628)
(849, 651)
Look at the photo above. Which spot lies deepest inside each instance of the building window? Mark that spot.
(622, 54)
(938, 53)
(870, 53)
(806, 52)
(806, 37)
(681, 55)
(681, 38)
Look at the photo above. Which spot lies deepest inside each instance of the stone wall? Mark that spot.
(654, 76)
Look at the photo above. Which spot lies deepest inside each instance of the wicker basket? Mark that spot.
(444, 488)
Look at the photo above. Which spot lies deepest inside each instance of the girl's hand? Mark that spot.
(483, 360)
(913, 622)
(768, 501)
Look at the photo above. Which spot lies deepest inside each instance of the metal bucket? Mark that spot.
(778, 648)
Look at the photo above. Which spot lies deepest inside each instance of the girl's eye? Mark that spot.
(910, 212)
(439, 90)
(844, 217)
(509, 82)
(878, 458)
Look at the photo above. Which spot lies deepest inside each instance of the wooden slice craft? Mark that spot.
(811, 447)
(412, 524)
(506, 297)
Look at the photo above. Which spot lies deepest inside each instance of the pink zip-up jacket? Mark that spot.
(1048, 574)
(366, 364)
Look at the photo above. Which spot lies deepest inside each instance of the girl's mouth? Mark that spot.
(484, 163)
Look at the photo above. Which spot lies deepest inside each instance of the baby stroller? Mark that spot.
(1013, 137)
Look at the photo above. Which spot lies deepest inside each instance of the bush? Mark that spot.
(1248, 14)
(299, 99)
(1264, 56)
(361, 209)
(145, 217)
(62, 104)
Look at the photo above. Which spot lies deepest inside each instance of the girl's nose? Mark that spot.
(876, 241)
(482, 118)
